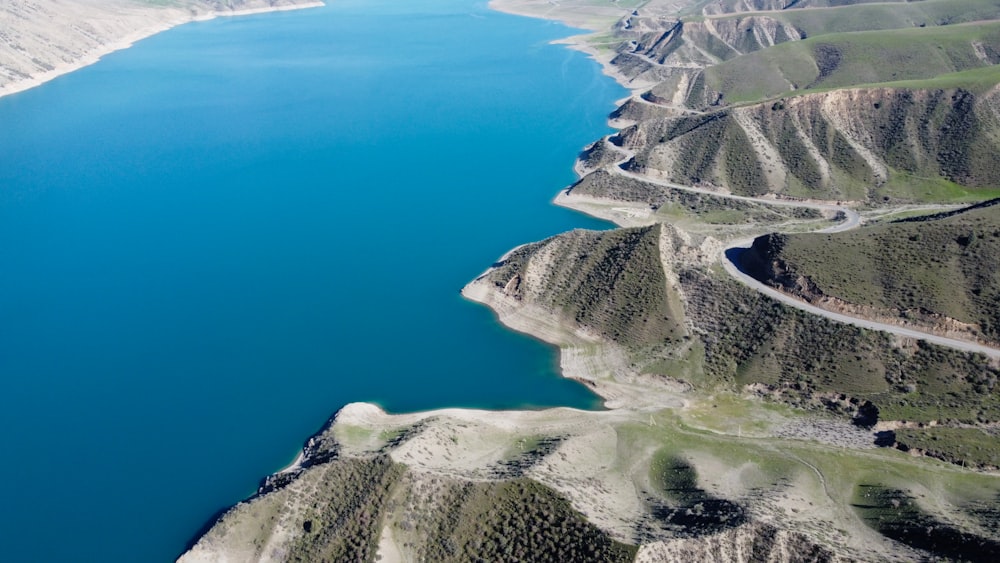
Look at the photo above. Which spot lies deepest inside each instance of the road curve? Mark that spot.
(732, 252)
(852, 219)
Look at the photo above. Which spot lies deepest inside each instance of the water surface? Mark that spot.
(213, 240)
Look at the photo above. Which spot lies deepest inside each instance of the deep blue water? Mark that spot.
(213, 240)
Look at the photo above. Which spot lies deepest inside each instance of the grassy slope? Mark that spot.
(752, 339)
(846, 59)
(609, 282)
(945, 266)
(516, 520)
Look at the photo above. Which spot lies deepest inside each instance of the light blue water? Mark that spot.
(213, 240)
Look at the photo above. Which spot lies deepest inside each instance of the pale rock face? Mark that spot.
(42, 39)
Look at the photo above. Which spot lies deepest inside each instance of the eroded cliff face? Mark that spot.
(44, 38)
(671, 54)
(856, 144)
(673, 42)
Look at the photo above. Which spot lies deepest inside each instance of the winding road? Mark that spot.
(852, 219)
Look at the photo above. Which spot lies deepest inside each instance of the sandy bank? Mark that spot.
(46, 39)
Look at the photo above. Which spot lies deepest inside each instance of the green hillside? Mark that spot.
(839, 60)
(923, 270)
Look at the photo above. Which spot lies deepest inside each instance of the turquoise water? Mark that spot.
(213, 240)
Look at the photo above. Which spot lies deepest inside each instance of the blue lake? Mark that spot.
(213, 240)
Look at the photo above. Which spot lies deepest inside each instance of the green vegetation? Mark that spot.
(611, 282)
(903, 186)
(884, 16)
(751, 339)
(924, 271)
(977, 80)
(729, 6)
(878, 16)
(895, 514)
(345, 526)
(688, 510)
(516, 520)
(971, 446)
(525, 455)
(849, 59)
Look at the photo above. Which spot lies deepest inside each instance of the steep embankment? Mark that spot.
(42, 39)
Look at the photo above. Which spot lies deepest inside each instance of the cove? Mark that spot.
(213, 240)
